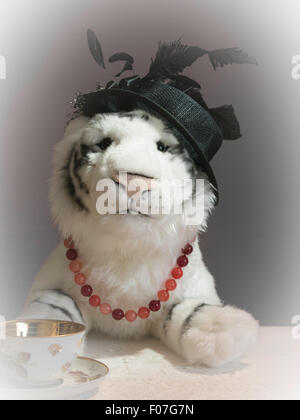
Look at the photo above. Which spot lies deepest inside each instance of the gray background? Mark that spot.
(252, 244)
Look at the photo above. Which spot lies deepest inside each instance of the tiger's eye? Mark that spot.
(105, 143)
(161, 146)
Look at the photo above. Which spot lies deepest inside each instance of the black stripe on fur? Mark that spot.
(77, 165)
(60, 292)
(169, 316)
(58, 308)
(69, 184)
(187, 322)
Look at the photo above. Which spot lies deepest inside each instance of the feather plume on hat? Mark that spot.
(170, 61)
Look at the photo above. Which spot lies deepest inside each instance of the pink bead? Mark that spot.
(80, 279)
(177, 272)
(94, 301)
(163, 295)
(171, 284)
(105, 309)
(144, 312)
(131, 316)
(75, 266)
(68, 243)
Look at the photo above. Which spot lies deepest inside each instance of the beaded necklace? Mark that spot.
(143, 312)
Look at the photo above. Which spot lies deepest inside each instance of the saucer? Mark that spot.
(79, 382)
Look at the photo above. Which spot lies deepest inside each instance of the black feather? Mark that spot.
(226, 119)
(173, 58)
(121, 57)
(223, 57)
(127, 66)
(95, 48)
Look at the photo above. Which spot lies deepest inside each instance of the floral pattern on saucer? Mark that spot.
(85, 370)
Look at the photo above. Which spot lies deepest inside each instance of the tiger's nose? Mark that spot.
(133, 183)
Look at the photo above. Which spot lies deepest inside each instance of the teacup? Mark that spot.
(38, 352)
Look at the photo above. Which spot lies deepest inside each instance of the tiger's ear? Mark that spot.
(76, 125)
(227, 121)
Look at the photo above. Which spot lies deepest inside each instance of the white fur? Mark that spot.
(128, 257)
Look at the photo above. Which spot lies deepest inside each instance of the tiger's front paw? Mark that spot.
(218, 335)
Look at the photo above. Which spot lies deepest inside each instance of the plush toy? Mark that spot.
(133, 273)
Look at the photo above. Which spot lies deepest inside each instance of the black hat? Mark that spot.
(174, 97)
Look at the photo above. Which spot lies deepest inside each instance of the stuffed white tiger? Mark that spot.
(128, 257)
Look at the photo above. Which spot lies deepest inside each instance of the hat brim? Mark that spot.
(114, 100)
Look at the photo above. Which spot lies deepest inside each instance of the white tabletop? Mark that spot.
(147, 370)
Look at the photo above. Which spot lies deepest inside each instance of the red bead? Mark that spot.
(177, 272)
(75, 266)
(143, 312)
(118, 314)
(94, 300)
(86, 291)
(154, 305)
(80, 279)
(182, 261)
(72, 254)
(188, 249)
(163, 295)
(131, 316)
(105, 309)
(171, 284)
(68, 243)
